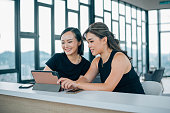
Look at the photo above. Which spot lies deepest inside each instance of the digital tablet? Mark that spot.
(45, 77)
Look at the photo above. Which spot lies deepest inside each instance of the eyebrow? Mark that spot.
(90, 39)
(67, 40)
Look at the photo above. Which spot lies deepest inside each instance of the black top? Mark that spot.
(129, 83)
(60, 63)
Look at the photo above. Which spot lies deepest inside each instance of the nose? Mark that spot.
(89, 45)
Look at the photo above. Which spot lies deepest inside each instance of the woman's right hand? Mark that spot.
(67, 83)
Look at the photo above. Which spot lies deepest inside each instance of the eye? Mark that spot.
(62, 43)
(70, 41)
(91, 41)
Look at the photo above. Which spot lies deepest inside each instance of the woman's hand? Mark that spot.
(67, 83)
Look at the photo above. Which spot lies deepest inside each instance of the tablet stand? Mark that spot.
(46, 87)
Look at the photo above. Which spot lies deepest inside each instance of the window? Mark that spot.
(107, 5)
(128, 37)
(84, 18)
(107, 19)
(27, 16)
(72, 19)
(73, 4)
(9, 77)
(128, 14)
(153, 39)
(114, 10)
(165, 52)
(27, 58)
(7, 39)
(122, 28)
(99, 7)
(45, 34)
(59, 13)
(115, 29)
(134, 30)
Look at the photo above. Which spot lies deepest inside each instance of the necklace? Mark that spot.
(78, 61)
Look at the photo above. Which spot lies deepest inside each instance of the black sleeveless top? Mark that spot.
(60, 63)
(129, 83)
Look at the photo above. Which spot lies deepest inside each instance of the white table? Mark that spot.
(13, 99)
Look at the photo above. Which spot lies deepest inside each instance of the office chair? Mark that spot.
(152, 88)
(156, 76)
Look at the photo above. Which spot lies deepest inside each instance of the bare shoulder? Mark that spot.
(120, 60)
(120, 56)
(96, 60)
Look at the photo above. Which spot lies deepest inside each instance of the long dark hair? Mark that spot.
(78, 36)
(101, 30)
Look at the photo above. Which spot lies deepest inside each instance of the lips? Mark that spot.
(67, 50)
(92, 50)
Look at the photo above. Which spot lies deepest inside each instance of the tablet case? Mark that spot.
(45, 82)
(46, 87)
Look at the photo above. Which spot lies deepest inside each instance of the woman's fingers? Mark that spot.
(60, 80)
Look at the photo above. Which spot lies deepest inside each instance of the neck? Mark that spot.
(106, 54)
(75, 59)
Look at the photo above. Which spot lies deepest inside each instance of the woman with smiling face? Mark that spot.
(69, 64)
(116, 71)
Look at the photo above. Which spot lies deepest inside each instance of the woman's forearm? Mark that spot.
(94, 86)
(82, 79)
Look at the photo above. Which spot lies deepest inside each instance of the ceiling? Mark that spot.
(148, 4)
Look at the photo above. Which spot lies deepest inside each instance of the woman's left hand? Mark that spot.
(67, 83)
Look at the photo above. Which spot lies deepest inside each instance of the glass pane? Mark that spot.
(72, 19)
(45, 34)
(153, 46)
(144, 69)
(99, 7)
(165, 27)
(98, 19)
(107, 19)
(58, 48)
(165, 52)
(59, 16)
(128, 14)
(45, 1)
(144, 54)
(115, 29)
(73, 4)
(84, 1)
(128, 39)
(122, 46)
(134, 57)
(122, 8)
(139, 43)
(153, 17)
(27, 15)
(165, 15)
(133, 12)
(9, 77)
(27, 58)
(114, 10)
(122, 28)
(86, 50)
(143, 32)
(140, 67)
(143, 15)
(134, 30)
(84, 18)
(107, 5)
(7, 36)
(139, 17)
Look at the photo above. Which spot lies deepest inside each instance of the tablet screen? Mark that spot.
(45, 77)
